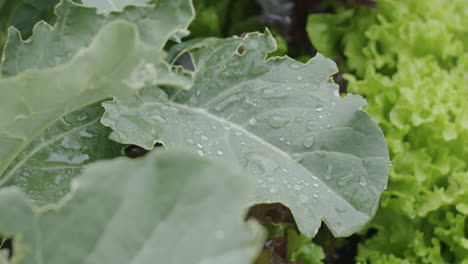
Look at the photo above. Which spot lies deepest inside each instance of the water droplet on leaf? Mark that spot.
(277, 121)
(345, 180)
(308, 142)
(329, 173)
(297, 156)
(362, 181)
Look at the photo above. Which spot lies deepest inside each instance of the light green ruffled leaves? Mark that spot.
(315, 152)
(165, 208)
(409, 58)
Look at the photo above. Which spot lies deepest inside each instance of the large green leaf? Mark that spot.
(77, 25)
(166, 208)
(34, 100)
(49, 47)
(317, 153)
(44, 169)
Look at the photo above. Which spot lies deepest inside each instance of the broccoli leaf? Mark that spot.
(44, 169)
(60, 153)
(317, 153)
(128, 211)
(34, 100)
(77, 25)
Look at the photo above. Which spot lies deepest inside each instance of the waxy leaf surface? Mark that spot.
(34, 100)
(60, 149)
(147, 210)
(44, 169)
(317, 153)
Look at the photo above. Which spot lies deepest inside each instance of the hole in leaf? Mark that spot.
(185, 60)
(7, 244)
(240, 50)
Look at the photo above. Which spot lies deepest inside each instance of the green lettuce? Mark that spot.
(409, 58)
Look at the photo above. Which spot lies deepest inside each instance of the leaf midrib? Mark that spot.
(21, 162)
(254, 136)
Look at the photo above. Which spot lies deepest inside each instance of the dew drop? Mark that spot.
(271, 179)
(297, 156)
(315, 195)
(362, 181)
(297, 187)
(316, 185)
(281, 138)
(189, 141)
(345, 180)
(253, 121)
(200, 146)
(227, 102)
(308, 142)
(319, 108)
(299, 78)
(200, 152)
(219, 153)
(204, 138)
(329, 173)
(277, 121)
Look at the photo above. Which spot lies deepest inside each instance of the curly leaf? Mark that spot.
(317, 153)
(127, 211)
(77, 25)
(34, 100)
(60, 156)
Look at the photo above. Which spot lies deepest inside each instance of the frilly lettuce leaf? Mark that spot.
(139, 211)
(317, 153)
(409, 58)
